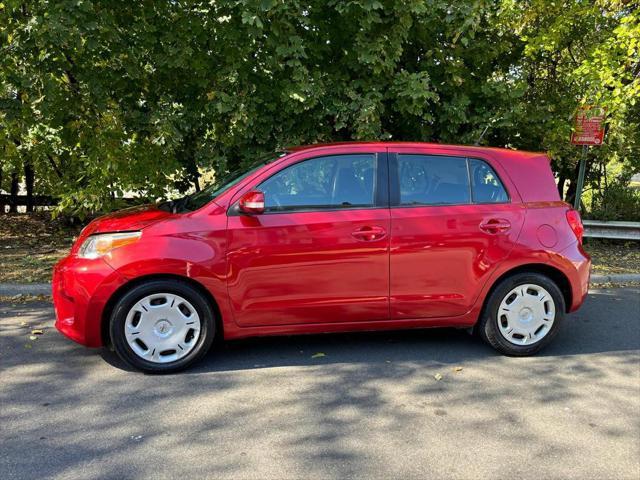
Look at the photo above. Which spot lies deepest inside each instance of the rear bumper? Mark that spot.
(81, 289)
(578, 270)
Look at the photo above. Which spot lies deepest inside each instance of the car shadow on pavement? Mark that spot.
(590, 330)
(446, 345)
(593, 329)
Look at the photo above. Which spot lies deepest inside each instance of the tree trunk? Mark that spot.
(606, 188)
(561, 181)
(593, 197)
(195, 175)
(188, 158)
(15, 188)
(29, 177)
(192, 166)
(233, 163)
(1, 202)
(573, 184)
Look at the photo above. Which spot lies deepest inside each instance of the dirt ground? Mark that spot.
(31, 244)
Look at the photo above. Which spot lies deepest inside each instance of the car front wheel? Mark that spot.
(162, 326)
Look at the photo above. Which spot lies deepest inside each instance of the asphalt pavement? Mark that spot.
(413, 404)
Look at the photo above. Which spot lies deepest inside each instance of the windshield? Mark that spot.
(221, 184)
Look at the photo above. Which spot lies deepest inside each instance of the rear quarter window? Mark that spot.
(486, 186)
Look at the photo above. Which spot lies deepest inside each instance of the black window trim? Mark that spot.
(394, 182)
(380, 194)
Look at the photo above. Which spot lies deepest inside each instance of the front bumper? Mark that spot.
(81, 289)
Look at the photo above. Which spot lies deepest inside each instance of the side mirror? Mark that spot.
(252, 203)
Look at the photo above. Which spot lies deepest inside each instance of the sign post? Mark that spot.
(588, 129)
(581, 172)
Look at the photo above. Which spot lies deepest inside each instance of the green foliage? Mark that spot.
(107, 97)
(617, 202)
(577, 52)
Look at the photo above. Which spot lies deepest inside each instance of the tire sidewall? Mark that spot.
(129, 299)
(489, 328)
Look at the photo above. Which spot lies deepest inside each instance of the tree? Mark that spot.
(577, 53)
(104, 97)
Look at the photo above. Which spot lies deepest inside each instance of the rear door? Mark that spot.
(320, 252)
(452, 222)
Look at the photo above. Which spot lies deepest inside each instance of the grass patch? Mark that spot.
(610, 257)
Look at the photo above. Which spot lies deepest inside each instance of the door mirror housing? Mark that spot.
(252, 203)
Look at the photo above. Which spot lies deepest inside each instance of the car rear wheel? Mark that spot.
(522, 314)
(162, 326)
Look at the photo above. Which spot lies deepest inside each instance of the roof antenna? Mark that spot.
(477, 142)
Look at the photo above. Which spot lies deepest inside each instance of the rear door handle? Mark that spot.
(495, 226)
(369, 233)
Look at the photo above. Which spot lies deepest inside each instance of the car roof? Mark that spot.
(502, 151)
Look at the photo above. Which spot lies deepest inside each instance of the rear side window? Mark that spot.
(486, 186)
(433, 180)
(331, 182)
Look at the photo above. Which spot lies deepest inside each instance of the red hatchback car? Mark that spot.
(332, 238)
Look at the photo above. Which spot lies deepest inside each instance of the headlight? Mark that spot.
(98, 245)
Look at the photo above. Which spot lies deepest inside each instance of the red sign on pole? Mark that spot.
(588, 128)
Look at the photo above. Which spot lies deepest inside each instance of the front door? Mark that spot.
(452, 223)
(320, 252)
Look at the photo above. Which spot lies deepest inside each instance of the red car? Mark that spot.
(332, 238)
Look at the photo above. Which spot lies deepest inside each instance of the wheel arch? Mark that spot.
(124, 288)
(555, 274)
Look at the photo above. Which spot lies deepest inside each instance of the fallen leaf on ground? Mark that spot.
(457, 369)
(36, 331)
(23, 324)
(318, 355)
(437, 376)
(32, 337)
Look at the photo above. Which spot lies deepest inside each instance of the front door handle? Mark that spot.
(369, 233)
(495, 226)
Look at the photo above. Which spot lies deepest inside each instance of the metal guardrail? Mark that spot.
(616, 230)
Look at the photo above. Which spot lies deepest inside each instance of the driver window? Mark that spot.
(337, 181)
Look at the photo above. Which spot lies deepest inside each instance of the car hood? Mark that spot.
(134, 218)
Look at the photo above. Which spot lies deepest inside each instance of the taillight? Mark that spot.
(575, 222)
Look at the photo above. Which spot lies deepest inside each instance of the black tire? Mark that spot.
(129, 299)
(488, 328)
